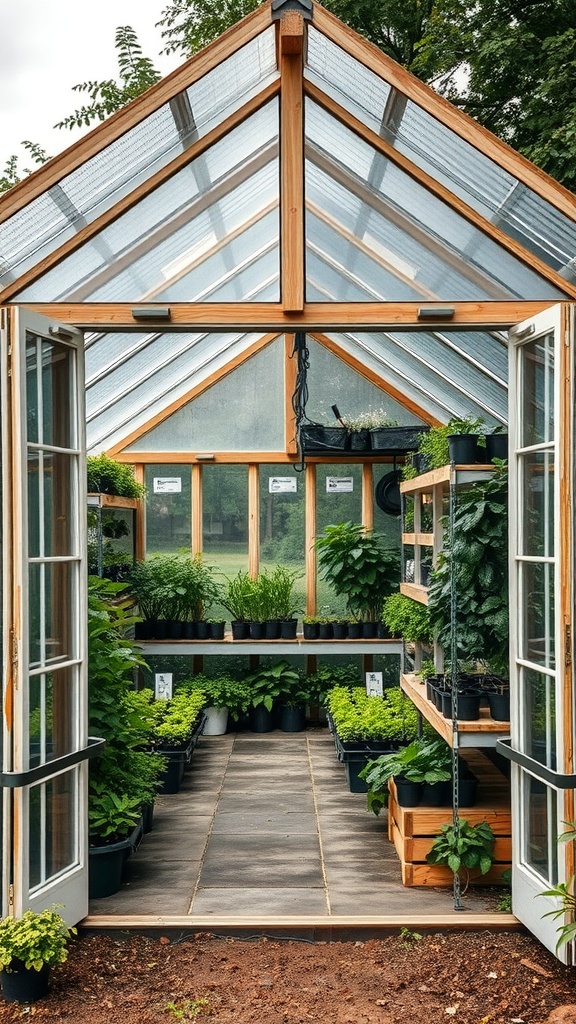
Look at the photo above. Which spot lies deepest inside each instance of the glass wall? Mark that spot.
(168, 508)
(282, 524)
(338, 500)
(225, 520)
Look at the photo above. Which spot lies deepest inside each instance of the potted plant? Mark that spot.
(267, 686)
(236, 600)
(29, 946)
(176, 733)
(464, 848)
(292, 704)
(358, 566)
(173, 592)
(411, 766)
(283, 607)
(387, 435)
(310, 625)
(223, 695)
(407, 619)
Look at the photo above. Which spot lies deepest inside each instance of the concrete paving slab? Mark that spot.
(262, 861)
(185, 843)
(251, 902)
(273, 821)
(237, 801)
(344, 822)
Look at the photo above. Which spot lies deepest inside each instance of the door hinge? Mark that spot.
(567, 645)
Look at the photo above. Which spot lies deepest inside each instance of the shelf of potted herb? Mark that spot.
(173, 593)
(29, 947)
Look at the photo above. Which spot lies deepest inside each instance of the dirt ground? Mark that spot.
(467, 978)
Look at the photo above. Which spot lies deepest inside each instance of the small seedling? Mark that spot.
(504, 904)
(409, 938)
(188, 1009)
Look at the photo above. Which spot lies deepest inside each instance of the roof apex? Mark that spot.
(304, 7)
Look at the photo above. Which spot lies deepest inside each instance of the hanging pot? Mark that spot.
(387, 493)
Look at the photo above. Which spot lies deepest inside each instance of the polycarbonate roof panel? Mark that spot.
(435, 374)
(444, 155)
(172, 365)
(434, 251)
(81, 196)
(225, 202)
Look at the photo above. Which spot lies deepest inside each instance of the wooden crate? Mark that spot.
(413, 829)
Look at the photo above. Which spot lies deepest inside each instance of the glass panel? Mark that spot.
(282, 524)
(117, 170)
(49, 602)
(537, 475)
(537, 589)
(540, 716)
(336, 506)
(48, 413)
(253, 398)
(540, 815)
(537, 383)
(52, 713)
(163, 241)
(225, 517)
(52, 830)
(168, 511)
(50, 479)
(331, 381)
(454, 162)
(419, 245)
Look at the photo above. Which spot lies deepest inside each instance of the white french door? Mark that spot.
(541, 603)
(45, 743)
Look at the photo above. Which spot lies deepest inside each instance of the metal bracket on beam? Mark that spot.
(304, 7)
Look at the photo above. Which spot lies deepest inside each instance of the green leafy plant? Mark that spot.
(434, 443)
(420, 761)
(326, 677)
(174, 587)
(111, 816)
(464, 848)
(36, 939)
(188, 1009)
(236, 598)
(475, 567)
(105, 476)
(564, 892)
(179, 716)
(358, 566)
(356, 716)
(222, 691)
(271, 684)
(409, 938)
(407, 618)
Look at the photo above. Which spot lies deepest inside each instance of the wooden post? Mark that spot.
(310, 533)
(253, 519)
(196, 508)
(291, 46)
(367, 496)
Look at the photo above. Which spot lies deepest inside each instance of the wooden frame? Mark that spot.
(291, 49)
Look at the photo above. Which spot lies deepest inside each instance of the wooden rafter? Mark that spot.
(291, 47)
(447, 114)
(118, 124)
(270, 316)
(437, 189)
(194, 392)
(169, 225)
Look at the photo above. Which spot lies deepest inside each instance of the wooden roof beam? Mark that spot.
(292, 245)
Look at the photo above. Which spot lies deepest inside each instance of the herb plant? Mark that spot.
(358, 566)
(465, 848)
(407, 618)
(106, 476)
(37, 939)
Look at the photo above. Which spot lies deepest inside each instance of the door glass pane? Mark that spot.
(50, 480)
(338, 500)
(52, 714)
(537, 590)
(537, 475)
(52, 827)
(50, 603)
(540, 717)
(48, 413)
(540, 814)
(225, 517)
(282, 514)
(537, 383)
(168, 508)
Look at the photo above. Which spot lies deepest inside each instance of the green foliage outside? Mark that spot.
(106, 476)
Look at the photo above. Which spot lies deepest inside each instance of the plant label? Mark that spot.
(374, 684)
(339, 484)
(167, 485)
(279, 484)
(163, 685)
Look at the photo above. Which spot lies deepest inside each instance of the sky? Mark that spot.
(47, 46)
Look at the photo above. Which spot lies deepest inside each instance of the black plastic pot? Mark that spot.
(240, 629)
(260, 719)
(148, 817)
(339, 630)
(352, 768)
(325, 631)
(257, 630)
(369, 630)
(462, 448)
(436, 794)
(288, 629)
(496, 446)
(360, 441)
(105, 865)
(144, 630)
(190, 630)
(23, 984)
(216, 630)
(202, 630)
(467, 789)
(161, 627)
(354, 630)
(315, 437)
(468, 706)
(176, 630)
(409, 793)
(310, 630)
(272, 629)
(171, 777)
(292, 717)
(499, 706)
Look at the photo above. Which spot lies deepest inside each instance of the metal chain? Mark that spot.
(300, 396)
(454, 680)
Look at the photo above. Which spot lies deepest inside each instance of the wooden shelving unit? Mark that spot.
(481, 733)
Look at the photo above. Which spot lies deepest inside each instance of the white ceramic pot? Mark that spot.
(216, 721)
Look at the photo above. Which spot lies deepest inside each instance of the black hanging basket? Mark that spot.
(395, 440)
(314, 437)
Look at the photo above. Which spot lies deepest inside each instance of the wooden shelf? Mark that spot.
(111, 501)
(422, 539)
(481, 733)
(416, 591)
(426, 481)
(298, 646)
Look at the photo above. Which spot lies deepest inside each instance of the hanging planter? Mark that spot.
(314, 437)
(395, 440)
